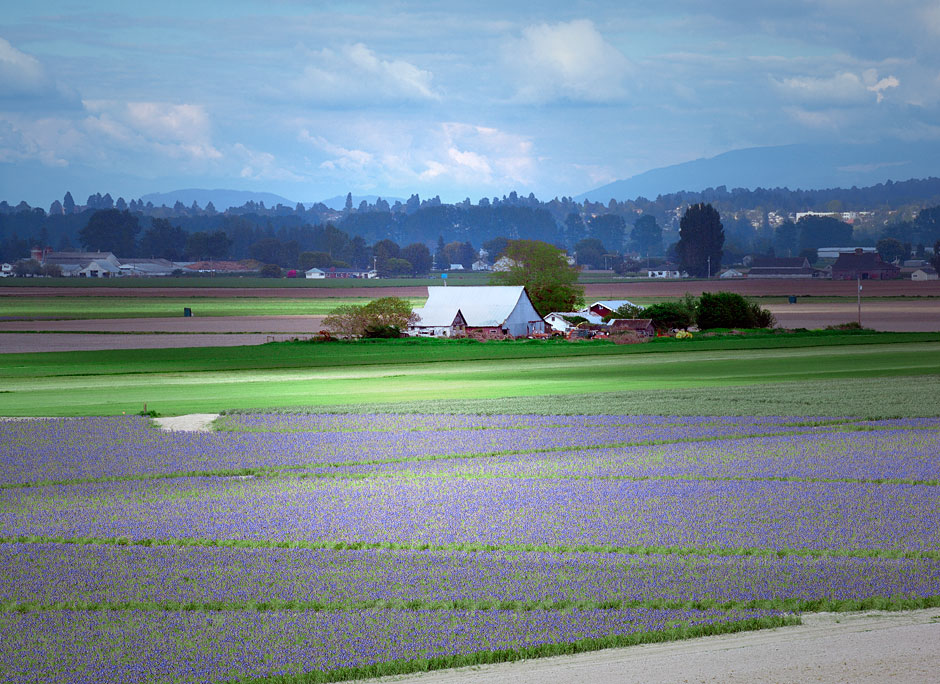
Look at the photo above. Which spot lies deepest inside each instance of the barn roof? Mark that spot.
(483, 306)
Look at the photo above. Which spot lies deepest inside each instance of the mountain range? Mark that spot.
(805, 167)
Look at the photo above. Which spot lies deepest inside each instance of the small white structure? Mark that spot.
(6, 270)
(455, 267)
(731, 273)
(99, 269)
(314, 273)
(834, 252)
(504, 310)
(481, 265)
(663, 274)
(925, 273)
(558, 319)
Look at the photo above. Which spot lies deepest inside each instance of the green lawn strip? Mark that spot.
(402, 667)
(475, 547)
(790, 605)
(115, 306)
(267, 471)
(293, 355)
(80, 389)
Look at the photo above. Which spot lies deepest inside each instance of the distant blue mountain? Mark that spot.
(804, 167)
(221, 199)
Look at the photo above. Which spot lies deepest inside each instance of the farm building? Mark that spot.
(781, 267)
(558, 320)
(643, 327)
(608, 307)
(924, 273)
(488, 311)
(863, 266)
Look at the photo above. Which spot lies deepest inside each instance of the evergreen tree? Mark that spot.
(701, 239)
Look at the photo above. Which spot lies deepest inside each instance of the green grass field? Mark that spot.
(871, 375)
(457, 278)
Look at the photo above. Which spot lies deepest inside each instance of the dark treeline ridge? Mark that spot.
(280, 234)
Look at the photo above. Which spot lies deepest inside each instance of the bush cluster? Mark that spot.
(711, 310)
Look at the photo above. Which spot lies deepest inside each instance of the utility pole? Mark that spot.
(709, 268)
(858, 281)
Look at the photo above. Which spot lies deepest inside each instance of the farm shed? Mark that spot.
(485, 310)
(641, 326)
(781, 267)
(558, 319)
(608, 307)
(924, 273)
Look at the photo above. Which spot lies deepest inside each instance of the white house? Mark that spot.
(496, 311)
(481, 265)
(6, 270)
(663, 274)
(314, 273)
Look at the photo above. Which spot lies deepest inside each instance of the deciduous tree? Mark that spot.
(544, 271)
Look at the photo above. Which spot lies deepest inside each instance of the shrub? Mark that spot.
(669, 315)
(731, 310)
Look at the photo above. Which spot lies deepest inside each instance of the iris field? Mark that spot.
(304, 548)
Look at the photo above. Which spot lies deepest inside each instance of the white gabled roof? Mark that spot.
(613, 304)
(483, 306)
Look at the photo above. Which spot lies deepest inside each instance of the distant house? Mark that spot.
(455, 267)
(925, 273)
(731, 273)
(83, 264)
(781, 267)
(664, 273)
(863, 265)
(335, 272)
(6, 270)
(481, 265)
(608, 307)
(643, 327)
(487, 311)
(558, 320)
(314, 273)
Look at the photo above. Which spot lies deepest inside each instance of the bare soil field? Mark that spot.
(830, 648)
(763, 288)
(223, 292)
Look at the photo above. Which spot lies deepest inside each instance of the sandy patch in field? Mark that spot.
(909, 315)
(865, 648)
(193, 422)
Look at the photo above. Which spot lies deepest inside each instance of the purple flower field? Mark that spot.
(287, 544)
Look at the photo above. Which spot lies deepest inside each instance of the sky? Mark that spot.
(456, 99)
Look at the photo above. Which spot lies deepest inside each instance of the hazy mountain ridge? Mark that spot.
(806, 167)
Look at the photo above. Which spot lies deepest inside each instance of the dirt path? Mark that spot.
(864, 648)
(193, 422)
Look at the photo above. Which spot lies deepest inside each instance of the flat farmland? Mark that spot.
(307, 548)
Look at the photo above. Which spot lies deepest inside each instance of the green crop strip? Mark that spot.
(401, 667)
(696, 551)
(790, 605)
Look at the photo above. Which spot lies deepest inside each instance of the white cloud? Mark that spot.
(842, 89)
(355, 73)
(20, 73)
(566, 61)
(256, 165)
(177, 131)
(459, 154)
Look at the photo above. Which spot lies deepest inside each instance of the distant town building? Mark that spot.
(862, 265)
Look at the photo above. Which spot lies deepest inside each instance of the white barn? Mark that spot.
(488, 310)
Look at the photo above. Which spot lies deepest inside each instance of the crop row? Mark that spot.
(82, 449)
(442, 511)
(66, 574)
(187, 646)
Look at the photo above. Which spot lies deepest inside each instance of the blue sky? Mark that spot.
(458, 99)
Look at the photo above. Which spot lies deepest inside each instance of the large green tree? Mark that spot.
(544, 271)
(163, 240)
(647, 236)
(110, 230)
(701, 239)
